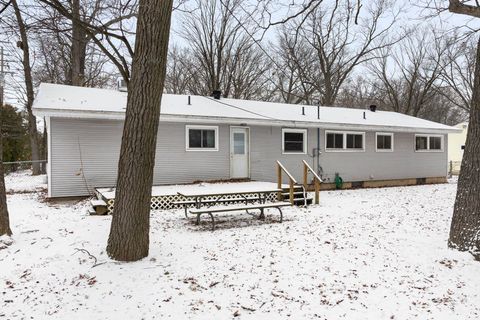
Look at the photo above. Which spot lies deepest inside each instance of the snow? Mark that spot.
(23, 181)
(360, 254)
(92, 102)
(202, 188)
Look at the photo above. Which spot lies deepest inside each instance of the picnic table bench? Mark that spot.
(210, 199)
(211, 210)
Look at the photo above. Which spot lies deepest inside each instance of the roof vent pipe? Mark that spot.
(189, 101)
(373, 108)
(216, 94)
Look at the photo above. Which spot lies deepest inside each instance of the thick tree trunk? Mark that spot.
(465, 227)
(129, 233)
(4, 221)
(78, 47)
(27, 70)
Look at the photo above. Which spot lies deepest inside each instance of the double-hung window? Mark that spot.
(384, 142)
(201, 138)
(344, 141)
(294, 141)
(425, 142)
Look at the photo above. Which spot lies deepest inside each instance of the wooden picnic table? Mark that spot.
(211, 199)
(199, 198)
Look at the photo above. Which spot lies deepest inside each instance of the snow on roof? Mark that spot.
(68, 101)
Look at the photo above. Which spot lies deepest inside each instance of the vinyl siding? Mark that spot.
(94, 145)
(99, 142)
(402, 163)
(266, 149)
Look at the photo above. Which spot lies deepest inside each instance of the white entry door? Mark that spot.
(239, 152)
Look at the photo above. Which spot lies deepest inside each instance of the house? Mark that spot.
(205, 138)
(456, 145)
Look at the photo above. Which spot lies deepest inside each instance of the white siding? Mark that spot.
(96, 145)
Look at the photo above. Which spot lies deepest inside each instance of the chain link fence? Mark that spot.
(20, 179)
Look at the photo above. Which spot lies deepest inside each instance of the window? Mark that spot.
(294, 140)
(435, 143)
(238, 143)
(354, 141)
(201, 138)
(384, 142)
(344, 141)
(428, 143)
(335, 140)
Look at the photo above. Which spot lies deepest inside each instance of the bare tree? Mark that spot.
(465, 227)
(23, 44)
(342, 37)
(65, 52)
(215, 38)
(129, 233)
(105, 23)
(292, 85)
(407, 75)
(458, 71)
(179, 78)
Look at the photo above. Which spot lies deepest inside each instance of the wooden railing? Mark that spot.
(316, 180)
(292, 182)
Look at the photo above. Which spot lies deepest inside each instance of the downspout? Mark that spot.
(319, 168)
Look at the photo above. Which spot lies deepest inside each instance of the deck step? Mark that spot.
(295, 193)
(301, 201)
(98, 203)
(99, 207)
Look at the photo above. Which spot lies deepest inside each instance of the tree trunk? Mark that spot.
(129, 233)
(27, 70)
(78, 48)
(465, 227)
(4, 221)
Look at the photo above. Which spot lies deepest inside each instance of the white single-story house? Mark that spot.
(204, 138)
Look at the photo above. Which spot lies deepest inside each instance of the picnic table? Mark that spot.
(252, 199)
(213, 198)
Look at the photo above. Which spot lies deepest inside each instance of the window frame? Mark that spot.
(200, 127)
(295, 130)
(391, 134)
(344, 148)
(442, 142)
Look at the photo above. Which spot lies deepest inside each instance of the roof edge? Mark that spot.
(59, 113)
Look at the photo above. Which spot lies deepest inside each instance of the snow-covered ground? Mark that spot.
(361, 254)
(23, 181)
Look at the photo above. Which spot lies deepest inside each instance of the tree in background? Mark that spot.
(332, 41)
(19, 28)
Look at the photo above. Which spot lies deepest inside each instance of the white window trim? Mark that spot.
(305, 140)
(187, 129)
(384, 134)
(344, 149)
(442, 142)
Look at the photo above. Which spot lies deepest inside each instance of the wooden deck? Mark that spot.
(164, 196)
